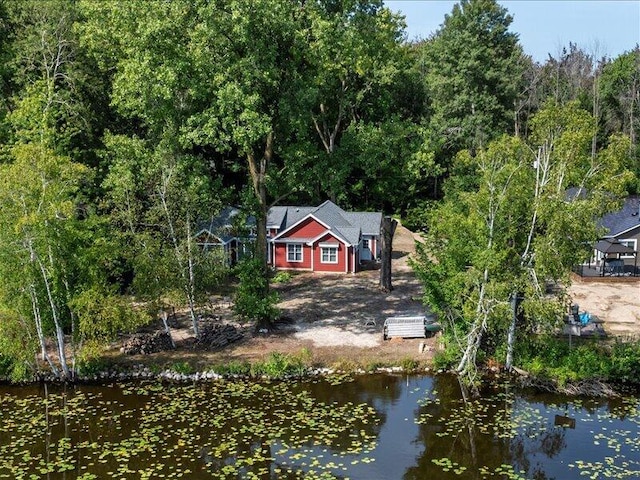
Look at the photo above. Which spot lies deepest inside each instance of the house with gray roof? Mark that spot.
(616, 254)
(231, 232)
(623, 228)
(322, 239)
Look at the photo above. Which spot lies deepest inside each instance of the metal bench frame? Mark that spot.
(405, 327)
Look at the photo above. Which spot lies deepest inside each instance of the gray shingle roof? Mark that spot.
(347, 225)
(331, 214)
(624, 219)
(222, 225)
(295, 214)
(276, 216)
(350, 234)
(369, 221)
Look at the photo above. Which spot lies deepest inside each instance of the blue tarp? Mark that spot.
(585, 318)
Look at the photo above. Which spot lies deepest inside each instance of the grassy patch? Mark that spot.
(553, 358)
(282, 277)
(279, 365)
(183, 368)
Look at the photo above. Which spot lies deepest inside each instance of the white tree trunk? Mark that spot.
(164, 315)
(185, 271)
(41, 338)
(56, 321)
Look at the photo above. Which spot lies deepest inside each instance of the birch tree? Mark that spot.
(39, 183)
(158, 199)
(38, 217)
(517, 230)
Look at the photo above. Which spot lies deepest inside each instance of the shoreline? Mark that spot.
(142, 372)
(591, 388)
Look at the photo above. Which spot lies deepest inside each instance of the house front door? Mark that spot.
(365, 249)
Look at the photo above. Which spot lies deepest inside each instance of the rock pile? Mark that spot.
(215, 335)
(147, 343)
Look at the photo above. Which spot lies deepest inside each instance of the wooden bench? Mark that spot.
(405, 327)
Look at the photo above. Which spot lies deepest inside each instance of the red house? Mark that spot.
(322, 239)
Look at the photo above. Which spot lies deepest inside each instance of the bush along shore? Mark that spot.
(275, 366)
(594, 368)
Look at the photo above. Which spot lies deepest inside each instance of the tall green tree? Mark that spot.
(620, 93)
(356, 56)
(474, 67)
(253, 56)
(159, 190)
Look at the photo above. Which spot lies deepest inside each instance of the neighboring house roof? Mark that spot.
(276, 216)
(348, 226)
(612, 246)
(282, 217)
(221, 226)
(624, 219)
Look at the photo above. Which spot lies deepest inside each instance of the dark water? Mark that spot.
(372, 427)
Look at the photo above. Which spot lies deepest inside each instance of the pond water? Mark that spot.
(367, 427)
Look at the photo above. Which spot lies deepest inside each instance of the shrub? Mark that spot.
(280, 364)
(373, 366)
(253, 300)
(409, 364)
(447, 358)
(102, 314)
(344, 365)
(14, 370)
(417, 218)
(625, 362)
(89, 360)
(17, 347)
(183, 368)
(282, 277)
(233, 368)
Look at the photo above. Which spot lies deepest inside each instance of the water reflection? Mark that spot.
(373, 427)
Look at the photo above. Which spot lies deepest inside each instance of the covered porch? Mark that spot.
(612, 259)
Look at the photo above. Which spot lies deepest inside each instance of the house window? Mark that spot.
(365, 243)
(631, 243)
(329, 255)
(294, 252)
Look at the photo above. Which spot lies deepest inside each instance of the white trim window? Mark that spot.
(294, 252)
(631, 243)
(329, 255)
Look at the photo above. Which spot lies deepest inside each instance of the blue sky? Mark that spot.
(610, 27)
